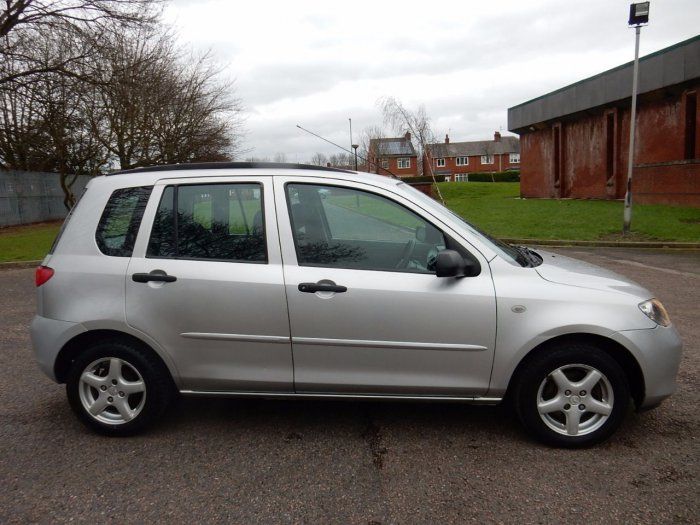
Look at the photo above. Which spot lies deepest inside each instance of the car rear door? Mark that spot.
(367, 313)
(206, 283)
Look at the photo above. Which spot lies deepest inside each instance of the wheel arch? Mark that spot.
(72, 348)
(622, 355)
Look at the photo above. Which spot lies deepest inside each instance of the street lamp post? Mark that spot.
(355, 146)
(639, 16)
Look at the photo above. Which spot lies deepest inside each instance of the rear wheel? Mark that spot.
(573, 395)
(117, 389)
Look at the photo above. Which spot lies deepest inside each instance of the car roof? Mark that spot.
(152, 174)
(229, 166)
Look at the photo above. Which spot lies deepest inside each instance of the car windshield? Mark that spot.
(507, 251)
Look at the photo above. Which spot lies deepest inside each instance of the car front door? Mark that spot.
(206, 283)
(367, 313)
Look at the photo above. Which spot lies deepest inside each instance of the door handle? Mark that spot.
(158, 276)
(321, 287)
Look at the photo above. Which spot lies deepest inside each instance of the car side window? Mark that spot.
(221, 222)
(347, 228)
(120, 221)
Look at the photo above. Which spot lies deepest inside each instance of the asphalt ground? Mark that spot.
(257, 461)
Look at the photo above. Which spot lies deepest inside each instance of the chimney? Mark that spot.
(408, 136)
(447, 139)
(497, 136)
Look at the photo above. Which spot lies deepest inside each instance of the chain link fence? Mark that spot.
(29, 196)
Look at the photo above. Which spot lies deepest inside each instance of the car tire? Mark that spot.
(572, 394)
(118, 389)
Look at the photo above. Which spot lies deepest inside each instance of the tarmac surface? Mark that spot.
(257, 461)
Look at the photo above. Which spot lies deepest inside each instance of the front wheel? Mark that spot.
(117, 389)
(573, 395)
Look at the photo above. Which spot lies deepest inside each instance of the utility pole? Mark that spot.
(639, 15)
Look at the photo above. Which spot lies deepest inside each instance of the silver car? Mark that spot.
(292, 281)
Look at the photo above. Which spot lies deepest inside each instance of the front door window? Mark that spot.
(339, 227)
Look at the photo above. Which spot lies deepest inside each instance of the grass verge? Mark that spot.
(498, 209)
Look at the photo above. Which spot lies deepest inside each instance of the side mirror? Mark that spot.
(450, 263)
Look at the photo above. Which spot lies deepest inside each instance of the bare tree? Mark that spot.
(279, 157)
(24, 23)
(367, 156)
(43, 125)
(162, 105)
(342, 160)
(137, 99)
(319, 159)
(417, 122)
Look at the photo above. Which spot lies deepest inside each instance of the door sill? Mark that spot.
(393, 397)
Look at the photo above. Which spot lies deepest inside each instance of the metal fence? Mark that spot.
(29, 196)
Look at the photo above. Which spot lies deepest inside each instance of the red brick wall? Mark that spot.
(667, 183)
(584, 173)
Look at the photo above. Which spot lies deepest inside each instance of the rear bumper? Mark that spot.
(658, 352)
(48, 337)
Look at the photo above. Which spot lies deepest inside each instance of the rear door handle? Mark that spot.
(321, 287)
(158, 276)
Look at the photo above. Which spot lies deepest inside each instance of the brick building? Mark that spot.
(397, 155)
(575, 141)
(455, 160)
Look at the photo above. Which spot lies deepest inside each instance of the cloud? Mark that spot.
(312, 63)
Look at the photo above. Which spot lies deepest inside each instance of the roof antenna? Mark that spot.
(344, 149)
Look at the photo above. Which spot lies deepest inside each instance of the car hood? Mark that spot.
(566, 270)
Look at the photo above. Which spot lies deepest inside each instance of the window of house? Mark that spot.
(487, 159)
(462, 161)
(404, 163)
(440, 163)
(462, 177)
(338, 227)
(384, 163)
(221, 222)
(514, 158)
(120, 221)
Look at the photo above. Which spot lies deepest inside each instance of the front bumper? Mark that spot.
(48, 337)
(658, 352)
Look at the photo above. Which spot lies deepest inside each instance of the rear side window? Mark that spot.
(221, 222)
(120, 221)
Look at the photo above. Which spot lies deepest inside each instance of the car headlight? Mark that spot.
(655, 311)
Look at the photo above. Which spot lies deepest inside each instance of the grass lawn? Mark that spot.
(494, 207)
(27, 243)
(498, 209)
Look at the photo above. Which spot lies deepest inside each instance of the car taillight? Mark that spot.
(43, 274)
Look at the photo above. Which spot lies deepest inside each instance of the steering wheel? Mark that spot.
(406, 254)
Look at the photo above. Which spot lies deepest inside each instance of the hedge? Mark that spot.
(498, 176)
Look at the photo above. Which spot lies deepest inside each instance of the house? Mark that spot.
(575, 140)
(393, 155)
(455, 160)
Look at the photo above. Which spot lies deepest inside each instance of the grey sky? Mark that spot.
(317, 63)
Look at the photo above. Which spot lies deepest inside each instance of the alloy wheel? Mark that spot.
(575, 400)
(112, 391)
